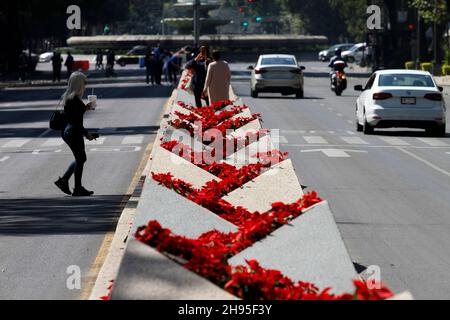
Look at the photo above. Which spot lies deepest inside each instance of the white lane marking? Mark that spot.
(16, 143)
(4, 159)
(340, 115)
(46, 132)
(394, 141)
(53, 142)
(350, 132)
(331, 132)
(133, 140)
(97, 142)
(315, 140)
(283, 140)
(335, 153)
(354, 140)
(428, 163)
(433, 142)
(312, 131)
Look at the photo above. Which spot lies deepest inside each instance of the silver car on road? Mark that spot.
(277, 74)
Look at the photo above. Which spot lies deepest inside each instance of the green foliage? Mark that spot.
(446, 70)
(410, 65)
(426, 66)
(431, 11)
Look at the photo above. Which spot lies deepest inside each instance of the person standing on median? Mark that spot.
(69, 64)
(74, 134)
(151, 67)
(199, 65)
(218, 79)
(57, 66)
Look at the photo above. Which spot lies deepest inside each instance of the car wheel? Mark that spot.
(338, 92)
(359, 127)
(300, 94)
(367, 129)
(437, 131)
(254, 94)
(350, 59)
(122, 64)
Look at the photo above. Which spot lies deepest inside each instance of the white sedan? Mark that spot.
(401, 98)
(279, 74)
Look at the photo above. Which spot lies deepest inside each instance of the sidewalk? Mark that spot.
(443, 81)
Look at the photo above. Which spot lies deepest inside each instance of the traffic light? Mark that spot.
(245, 24)
(259, 19)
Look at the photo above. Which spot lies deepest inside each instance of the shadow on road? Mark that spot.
(404, 133)
(106, 92)
(61, 215)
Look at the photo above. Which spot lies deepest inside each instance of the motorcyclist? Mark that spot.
(338, 64)
(338, 58)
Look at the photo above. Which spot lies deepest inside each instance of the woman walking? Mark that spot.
(200, 66)
(74, 134)
(218, 79)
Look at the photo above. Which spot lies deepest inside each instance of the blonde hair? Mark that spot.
(76, 83)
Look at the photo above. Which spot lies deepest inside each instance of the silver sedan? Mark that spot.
(277, 74)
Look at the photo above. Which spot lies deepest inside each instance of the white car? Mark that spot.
(46, 57)
(278, 74)
(355, 53)
(401, 99)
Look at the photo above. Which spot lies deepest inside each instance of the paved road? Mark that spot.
(389, 192)
(42, 232)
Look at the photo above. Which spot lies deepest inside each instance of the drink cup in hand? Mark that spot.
(92, 99)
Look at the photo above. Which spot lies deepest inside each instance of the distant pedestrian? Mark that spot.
(218, 79)
(174, 67)
(74, 134)
(57, 66)
(99, 60)
(110, 61)
(23, 66)
(151, 67)
(199, 65)
(69, 64)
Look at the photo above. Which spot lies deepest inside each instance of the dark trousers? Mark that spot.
(150, 75)
(198, 98)
(76, 143)
(57, 74)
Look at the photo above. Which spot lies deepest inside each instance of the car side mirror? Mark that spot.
(441, 89)
(251, 68)
(303, 68)
(359, 88)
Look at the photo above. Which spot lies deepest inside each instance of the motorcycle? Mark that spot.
(339, 78)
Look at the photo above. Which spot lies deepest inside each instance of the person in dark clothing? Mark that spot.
(74, 134)
(69, 64)
(110, 61)
(57, 66)
(99, 60)
(200, 67)
(23, 66)
(151, 67)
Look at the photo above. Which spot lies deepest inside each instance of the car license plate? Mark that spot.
(408, 100)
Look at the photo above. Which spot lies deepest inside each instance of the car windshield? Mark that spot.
(278, 61)
(405, 80)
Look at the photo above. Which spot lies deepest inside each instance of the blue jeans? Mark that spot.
(75, 141)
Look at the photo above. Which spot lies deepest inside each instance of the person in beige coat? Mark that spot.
(218, 79)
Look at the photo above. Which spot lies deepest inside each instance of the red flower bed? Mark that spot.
(216, 106)
(207, 256)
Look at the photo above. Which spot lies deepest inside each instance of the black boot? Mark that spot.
(63, 185)
(82, 192)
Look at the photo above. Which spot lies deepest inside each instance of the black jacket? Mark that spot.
(74, 111)
(200, 72)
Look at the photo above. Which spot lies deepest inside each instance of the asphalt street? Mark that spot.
(389, 192)
(42, 231)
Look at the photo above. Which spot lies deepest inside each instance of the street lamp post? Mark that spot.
(419, 27)
(196, 22)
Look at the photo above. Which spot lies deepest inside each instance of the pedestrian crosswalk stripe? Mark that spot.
(394, 141)
(16, 143)
(283, 140)
(53, 142)
(96, 142)
(4, 159)
(354, 140)
(433, 142)
(315, 140)
(133, 140)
